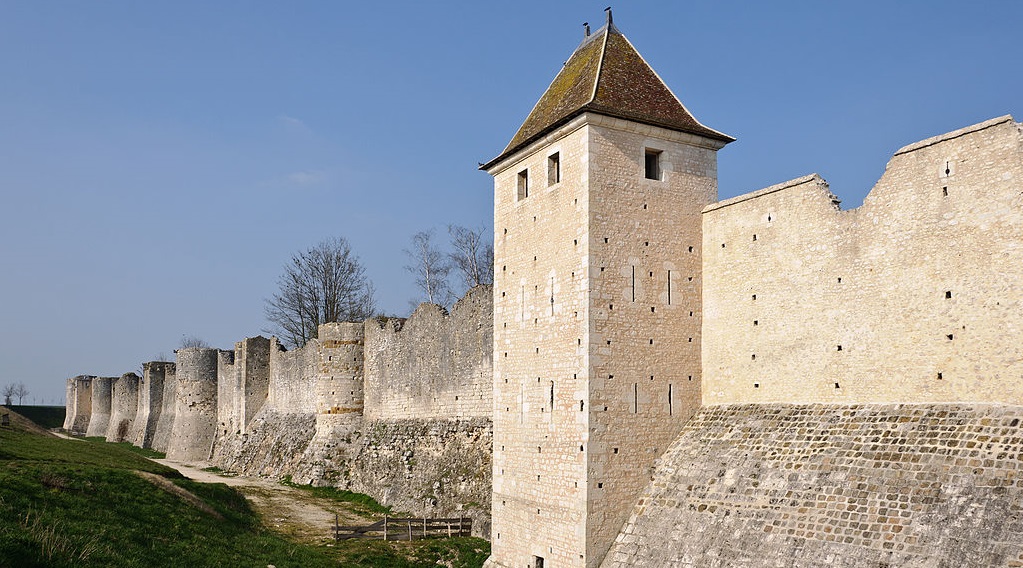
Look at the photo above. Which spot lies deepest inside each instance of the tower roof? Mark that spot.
(606, 75)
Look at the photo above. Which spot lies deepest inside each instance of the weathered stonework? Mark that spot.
(79, 404)
(124, 405)
(434, 364)
(99, 418)
(195, 409)
(778, 485)
(150, 402)
(168, 406)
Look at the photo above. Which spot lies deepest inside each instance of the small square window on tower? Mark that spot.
(554, 168)
(653, 164)
(522, 184)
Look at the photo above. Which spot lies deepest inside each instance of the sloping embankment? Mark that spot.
(927, 485)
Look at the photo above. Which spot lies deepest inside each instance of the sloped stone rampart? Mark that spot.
(440, 467)
(776, 485)
(272, 447)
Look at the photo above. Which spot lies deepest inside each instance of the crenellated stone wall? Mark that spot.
(433, 365)
(915, 296)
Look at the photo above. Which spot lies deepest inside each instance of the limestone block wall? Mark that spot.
(916, 296)
(844, 486)
(124, 405)
(228, 394)
(645, 304)
(168, 404)
(150, 403)
(252, 357)
(195, 408)
(79, 404)
(293, 378)
(541, 354)
(434, 364)
(99, 418)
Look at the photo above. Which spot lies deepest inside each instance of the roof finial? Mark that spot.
(586, 26)
(608, 10)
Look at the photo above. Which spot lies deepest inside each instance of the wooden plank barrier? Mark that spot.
(402, 528)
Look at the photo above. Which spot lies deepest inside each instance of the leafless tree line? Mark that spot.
(15, 390)
(469, 261)
(328, 283)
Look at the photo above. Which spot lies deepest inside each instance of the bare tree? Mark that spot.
(430, 267)
(191, 341)
(20, 391)
(472, 254)
(326, 283)
(8, 393)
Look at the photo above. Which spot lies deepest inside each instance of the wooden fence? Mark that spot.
(394, 528)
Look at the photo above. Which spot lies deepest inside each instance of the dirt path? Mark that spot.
(287, 510)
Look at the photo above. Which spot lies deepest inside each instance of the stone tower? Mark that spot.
(596, 301)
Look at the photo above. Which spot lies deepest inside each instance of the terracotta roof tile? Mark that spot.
(606, 75)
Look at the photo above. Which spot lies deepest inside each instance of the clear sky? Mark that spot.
(160, 161)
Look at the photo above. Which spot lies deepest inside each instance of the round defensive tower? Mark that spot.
(164, 423)
(100, 419)
(340, 385)
(150, 403)
(79, 404)
(124, 404)
(70, 407)
(195, 405)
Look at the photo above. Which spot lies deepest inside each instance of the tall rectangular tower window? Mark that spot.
(522, 184)
(554, 168)
(653, 164)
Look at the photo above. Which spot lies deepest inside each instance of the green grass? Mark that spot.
(360, 502)
(70, 503)
(45, 416)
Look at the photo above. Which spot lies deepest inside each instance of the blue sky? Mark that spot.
(160, 162)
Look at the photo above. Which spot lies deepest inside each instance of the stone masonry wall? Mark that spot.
(150, 403)
(293, 378)
(847, 486)
(124, 405)
(440, 467)
(915, 296)
(168, 402)
(79, 402)
(434, 364)
(99, 417)
(195, 409)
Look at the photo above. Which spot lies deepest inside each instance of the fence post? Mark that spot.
(385, 527)
(424, 525)
(337, 529)
(410, 530)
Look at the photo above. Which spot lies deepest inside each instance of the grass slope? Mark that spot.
(45, 416)
(83, 503)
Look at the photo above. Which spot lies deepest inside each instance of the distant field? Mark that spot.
(67, 503)
(45, 416)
